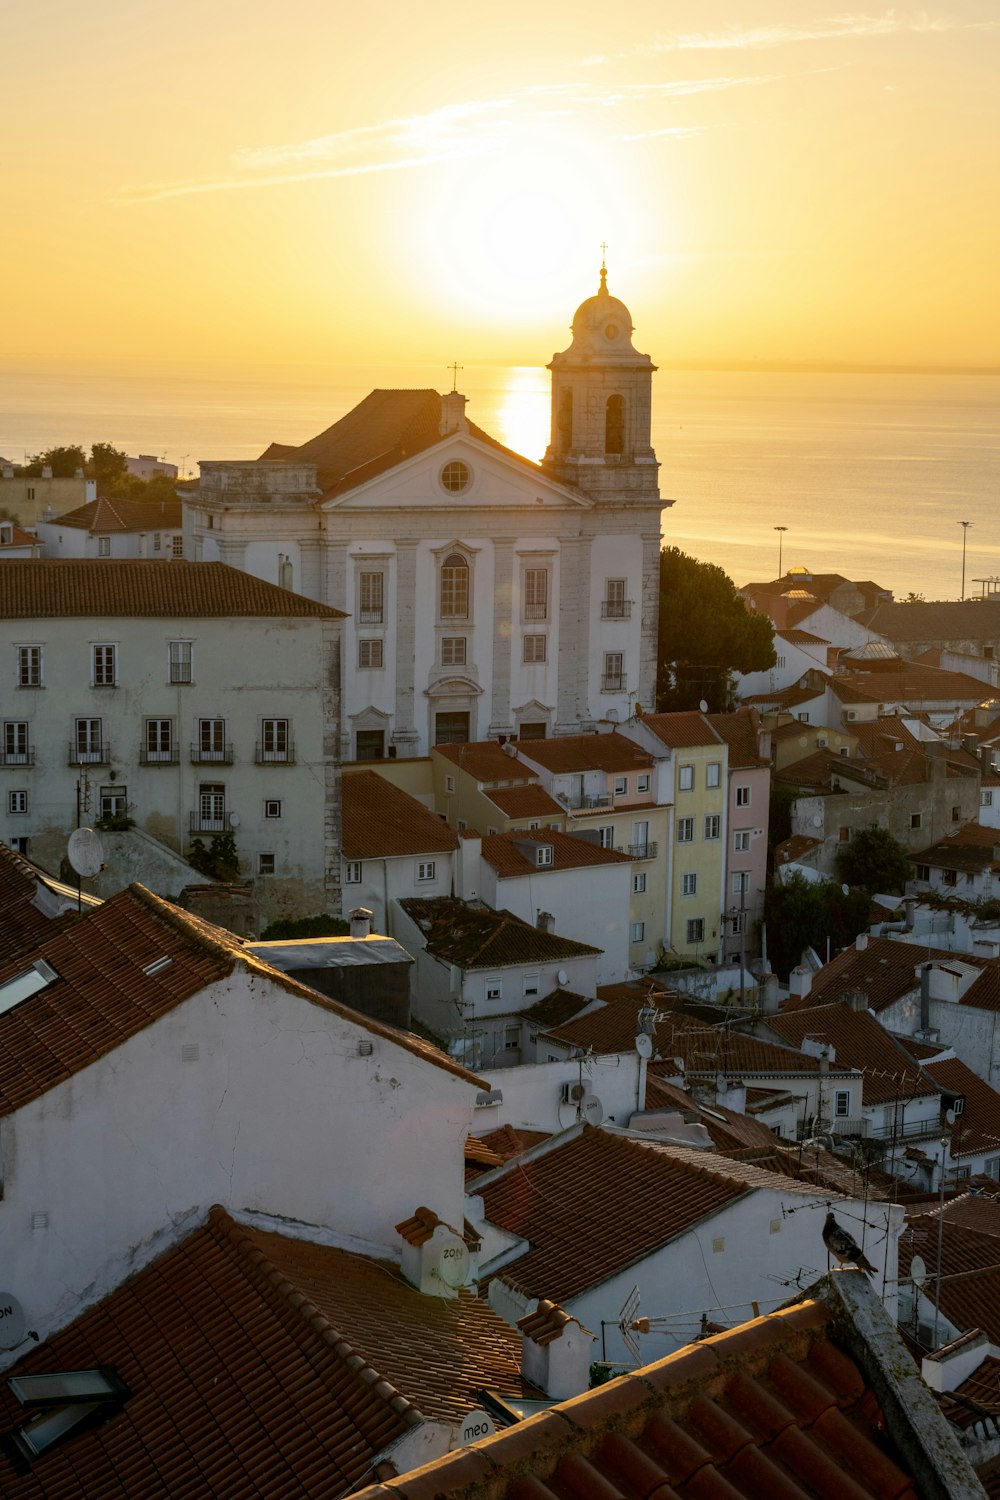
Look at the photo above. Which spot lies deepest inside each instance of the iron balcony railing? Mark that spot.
(210, 822)
(89, 755)
(169, 757)
(275, 755)
(222, 755)
(613, 682)
(639, 851)
(25, 757)
(536, 611)
(616, 609)
(370, 616)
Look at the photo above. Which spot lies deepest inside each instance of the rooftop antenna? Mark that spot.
(454, 367)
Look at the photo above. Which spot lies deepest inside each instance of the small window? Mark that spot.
(369, 744)
(638, 932)
(371, 591)
(741, 882)
(113, 802)
(638, 884)
(713, 773)
(543, 854)
(156, 541)
(803, 718)
(915, 820)
(180, 655)
(613, 679)
(621, 786)
(159, 740)
(606, 836)
(511, 1038)
(494, 989)
(15, 748)
(104, 546)
(742, 796)
(449, 783)
(17, 802)
(272, 808)
(20, 844)
(274, 741)
(685, 830)
(923, 872)
(842, 1103)
(956, 815)
(844, 835)
(455, 587)
(104, 665)
(696, 930)
(713, 826)
(685, 778)
(536, 594)
(616, 605)
(177, 546)
(369, 655)
(535, 648)
(453, 651)
(780, 663)
(29, 666)
(689, 884)
(352, 872)
(456, 477)
(741, 841)
(985, 799)
(642, 783)
(530, 989)
(265, 864)
(425, 869)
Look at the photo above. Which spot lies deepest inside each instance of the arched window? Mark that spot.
(614, 425)
(565, 421)
(454, 587)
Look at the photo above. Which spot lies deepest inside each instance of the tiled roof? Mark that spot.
(912, 684)
(555, 1009)
(263, 1365)
(860, 1043)
(979, 1394)
(683, 731)
(475, 937)
(587, 752)
(486, 762)
(740, 732)
(971, 847)
(45, 588)
(800, 637)
(795, 848)
(525, 802)
(883, 970)
(821, 768)
(121, 515)
(546, 1323)
(969, 1244)
(103, 994)
(379, 433)
(575, 1205)
(977, 1128)
(23, 922)
(773, 1408)
(965, 620)
(20, 538)
(509, 1143)
(381, 821)
(713, 1049)
(611, 1027)
(787, 698)
(568, 852)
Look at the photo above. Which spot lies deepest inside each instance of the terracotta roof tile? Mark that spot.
(970, 1260)
(46, 588)
(568, 852)
(964, 620)
(977, 1128)
(774, 1408)
(884, 970)
(859, 1043)
(508, 1142)
(486, 762)
(611, 1026)
(795, 848)
(475, 937)
(382, 821)
(587, 752)
(683, 731)
(23, 922)
(525, 802)
(546, 1323)
(120, 515)
(910, 685)
(711, 1049)
(555, 1009)
(740, 732)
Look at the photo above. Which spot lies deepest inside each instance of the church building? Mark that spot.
(487, 596)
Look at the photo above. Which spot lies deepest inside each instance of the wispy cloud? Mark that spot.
(853, 24)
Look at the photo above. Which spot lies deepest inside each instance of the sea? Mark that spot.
(869, 475)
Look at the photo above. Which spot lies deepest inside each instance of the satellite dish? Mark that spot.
(453, 1262)
(703, 706)
(475, 1426)
(12, 1322)
(644, 1044)
(234, 820)
(918, 1271)
(817, 821)
(950, 1116)
(721, 1083)
(846, 889)
(85, 851)
(593, 1111)
(563, 977)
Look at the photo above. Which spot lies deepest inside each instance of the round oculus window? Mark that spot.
(456, 476)
(611, 331)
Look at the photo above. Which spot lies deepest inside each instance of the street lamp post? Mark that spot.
(781, 537)
(965, 537)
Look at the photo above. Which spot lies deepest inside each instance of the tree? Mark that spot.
(706, 634)
(800, 914)
(875, 861)
(109, 466)
(63, 462)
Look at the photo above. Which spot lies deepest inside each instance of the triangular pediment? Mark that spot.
(461, 472)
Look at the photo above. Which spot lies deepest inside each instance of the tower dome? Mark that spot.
(603, 322)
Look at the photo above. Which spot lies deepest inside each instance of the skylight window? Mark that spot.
(158, 965)
(62, 1403)
(26, 984)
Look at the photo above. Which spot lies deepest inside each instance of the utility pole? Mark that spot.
(781, 537)
(965, 536)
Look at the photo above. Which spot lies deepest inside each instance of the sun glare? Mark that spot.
(523, 415)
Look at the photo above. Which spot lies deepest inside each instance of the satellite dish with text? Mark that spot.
(85, 852)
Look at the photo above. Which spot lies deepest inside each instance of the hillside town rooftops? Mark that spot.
(108, 587)
(910, 684)
(684, 730)
(860, 1043)
(587, 752)
(525, 802)
(380, 821)
(740, 730)
(976, 1130)
(104, 516)
(949, 620)
(568, 852)
(972, 847)
(475, 937)
(487, 762)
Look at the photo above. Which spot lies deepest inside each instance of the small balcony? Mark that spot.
(88, 755)
(168, 757)
(371, 616)
(275, 755)
(535, 612)
(616, 609)
(604, 802)
(639, 851)
(614, 682)
(221, 755)
(212, 820)
(25, 757)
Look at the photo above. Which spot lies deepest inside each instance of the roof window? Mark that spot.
(26, 984)
(61, 1404)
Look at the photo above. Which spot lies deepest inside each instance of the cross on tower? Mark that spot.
(604, 255)
(454, 368)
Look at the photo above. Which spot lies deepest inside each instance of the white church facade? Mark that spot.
(487, 596)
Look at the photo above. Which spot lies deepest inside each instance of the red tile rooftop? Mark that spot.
(683, 731)
(569, 852)
(486, 762)
(586, 752)
(380, 821)
(525, 802)
(121, 515)
(45, 588)
(860, 1043)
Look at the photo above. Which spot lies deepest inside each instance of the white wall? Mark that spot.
(589, 904)
(532, 1093)
(279, 1115)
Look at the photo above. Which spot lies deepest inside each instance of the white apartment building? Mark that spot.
(488, 596)
(189, 700)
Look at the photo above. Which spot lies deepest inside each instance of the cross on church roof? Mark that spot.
(454, 368)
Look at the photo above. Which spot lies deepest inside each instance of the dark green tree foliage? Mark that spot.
(306, 927)
(220, 860)
(63, 462)
(802, 914)
(706, 634)
(875, 861)
(109, 466)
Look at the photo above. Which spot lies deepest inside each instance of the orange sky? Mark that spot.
(213, 184)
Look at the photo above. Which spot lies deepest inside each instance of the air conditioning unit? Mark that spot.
(575, 1093)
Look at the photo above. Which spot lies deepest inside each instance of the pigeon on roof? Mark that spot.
(842, 1246)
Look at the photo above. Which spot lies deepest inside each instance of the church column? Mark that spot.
(311, 582)
(501, 716)
(334, 583)
(650, 618)
(333, 591)
(404, 733)
(573, 709)
(232, 551)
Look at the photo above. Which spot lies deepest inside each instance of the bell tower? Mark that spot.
(601, 405)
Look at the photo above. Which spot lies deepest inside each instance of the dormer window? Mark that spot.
(543, 855)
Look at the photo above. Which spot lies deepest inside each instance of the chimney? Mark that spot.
(950, 1366)
(361, 922)
(545, 922)
(925, 997)
(47, 471)
(453, 414)
(436, 1259)
(555, 1351)
(769, 994)
(800, 980)
(854, 999)
(910, 908)
(468, 865)
(861, 942)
